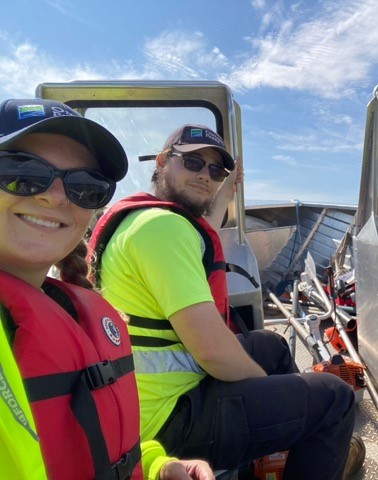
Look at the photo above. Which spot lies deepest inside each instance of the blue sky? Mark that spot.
(302, 71)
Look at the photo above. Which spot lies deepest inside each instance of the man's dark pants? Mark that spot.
(231, 423)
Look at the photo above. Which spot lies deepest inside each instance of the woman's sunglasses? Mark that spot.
(26, 175)
(196, 164)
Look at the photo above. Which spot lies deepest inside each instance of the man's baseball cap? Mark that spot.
(19, 117)
(190, 138)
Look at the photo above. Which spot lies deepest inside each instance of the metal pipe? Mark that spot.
(239, 195)
(356, 358)
(348, 322)
(354, 355)
(295, 312)
(311, 269)
(305, 336)
(279, 321)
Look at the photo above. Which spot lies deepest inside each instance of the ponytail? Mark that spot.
(74, 268)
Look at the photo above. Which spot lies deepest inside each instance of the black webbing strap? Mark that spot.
(235, 317)
(124, 468)
(231, 267)
(80, 385)
(150, 323)
(216, 266)
(50, 386)
(85, 411)
(58, 384)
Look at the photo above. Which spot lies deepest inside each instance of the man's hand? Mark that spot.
(235, 177)
(186, 470)
(224, 195)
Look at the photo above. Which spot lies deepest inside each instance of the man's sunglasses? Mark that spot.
(196, 164)
(26, 175)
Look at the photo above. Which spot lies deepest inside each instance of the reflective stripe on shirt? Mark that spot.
(164, 361)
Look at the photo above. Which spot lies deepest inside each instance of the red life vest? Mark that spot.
(213, 258)
(79, 376)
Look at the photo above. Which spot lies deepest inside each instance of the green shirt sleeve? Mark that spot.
(153, 459)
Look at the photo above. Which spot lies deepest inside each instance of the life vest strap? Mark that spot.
(124, 468)
(150, 323)
(97, 375)
(104, 373)
(84, 408)
(231, 267)
(80, 384)
(238, 320)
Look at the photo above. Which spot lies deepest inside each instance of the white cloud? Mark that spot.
(258, 4)
(325, 54)
(23, 67)
(324, 141)
(323, 112)
(170, 55)
(286, 159)
(182, 55)
(65, 8)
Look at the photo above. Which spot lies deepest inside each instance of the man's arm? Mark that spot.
(214, 347)
(223, 197)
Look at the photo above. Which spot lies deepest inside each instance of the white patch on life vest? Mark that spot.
(111, 330)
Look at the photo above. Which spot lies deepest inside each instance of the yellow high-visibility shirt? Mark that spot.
(20, 453)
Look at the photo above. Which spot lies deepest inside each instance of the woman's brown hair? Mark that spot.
(74, 268)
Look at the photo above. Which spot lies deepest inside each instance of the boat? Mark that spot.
(314, 266)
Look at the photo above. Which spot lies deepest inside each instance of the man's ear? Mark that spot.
(161, 160)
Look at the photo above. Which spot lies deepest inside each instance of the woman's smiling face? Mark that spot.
(40, 230)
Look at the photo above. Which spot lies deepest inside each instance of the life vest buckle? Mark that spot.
(100, 374)
(122, 468)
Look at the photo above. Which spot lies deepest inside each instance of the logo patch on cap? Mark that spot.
(196, 132)
(214, 137)
(27, 111)
(111, 330)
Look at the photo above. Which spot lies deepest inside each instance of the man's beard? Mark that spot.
(166, 191)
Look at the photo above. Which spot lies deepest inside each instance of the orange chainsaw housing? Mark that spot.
(270, 467)
(351, 372)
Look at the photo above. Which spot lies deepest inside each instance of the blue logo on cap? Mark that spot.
(196, 132)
